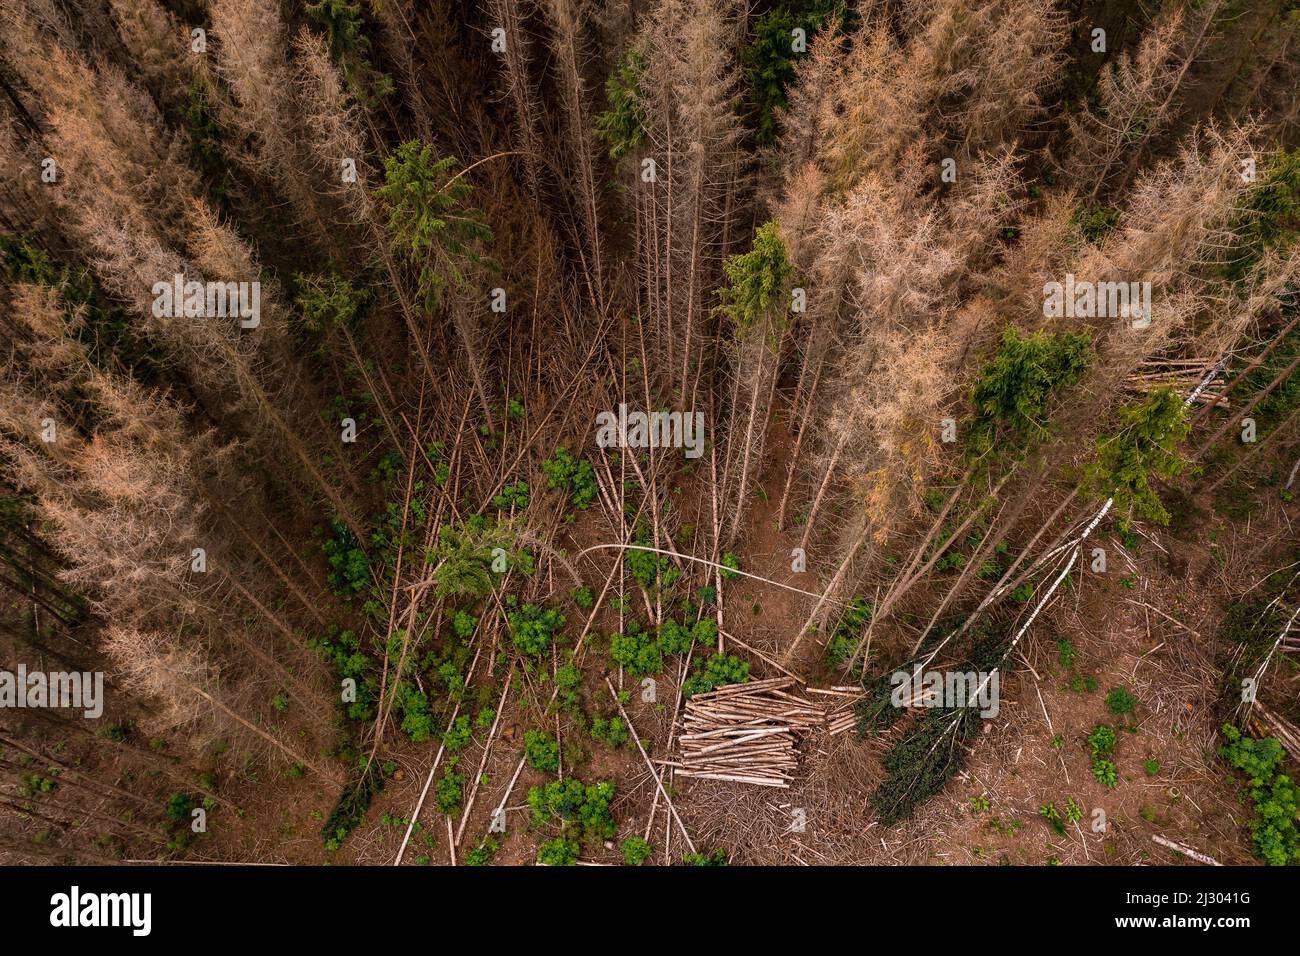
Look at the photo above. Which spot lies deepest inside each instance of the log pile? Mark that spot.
(1181, 374)
(745, 733)
(841, 715)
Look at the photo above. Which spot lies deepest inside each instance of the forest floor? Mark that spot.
(1147, 625)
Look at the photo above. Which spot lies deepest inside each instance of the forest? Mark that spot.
(650, 432)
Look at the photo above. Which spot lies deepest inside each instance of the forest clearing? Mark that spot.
(650, 432)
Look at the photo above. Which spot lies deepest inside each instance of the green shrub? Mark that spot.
(649, 568)
(1073, 812)
(532, 629)
(464, 624)
(512, 496)
(676, 638)
(328, 301)
(343, 650)
(1273, 793)
(483, 854)
(716, 858)
(179, 806)
(568, 678)
(342, 22)
(349, 48)
(558, 852)
(638, 651)
(612, 731)
(417, 720)
(449, 790)
(1270, 213)
(458, 735)
(349, 573)
(1102, 740)
(573, 803)
(199, 116)
(1083, 682)
(464, 558)
(717, 671)
(25, 261)
(575, 476)
(729, 560)
(848, 632)
(1105, 771)
(642, 652)
(541, 751)
(1065, 654)
(636, 851)
(1120, 701)
(1095, 222)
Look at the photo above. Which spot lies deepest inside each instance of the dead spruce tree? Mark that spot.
(511, 43)
(133, 205)
(567, 20)
(191, 694)
(128, 506)
(687, 90)
(252, 43)
(1137, 100)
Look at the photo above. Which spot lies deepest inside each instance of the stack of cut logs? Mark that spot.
(745, 733)
(1182, 374)
(841, 714)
